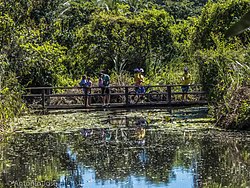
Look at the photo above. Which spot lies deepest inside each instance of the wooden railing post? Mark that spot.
(169, 94)
(85, 97)
(127, 121)
(43, 99)
(126, 95)
(48, 93)
(89, 97)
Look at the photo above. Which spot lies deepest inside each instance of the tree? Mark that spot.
(115, 40)
(242, 25)
(214, 20)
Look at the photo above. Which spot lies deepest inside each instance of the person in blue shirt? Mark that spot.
(83, 83)
(86, 83)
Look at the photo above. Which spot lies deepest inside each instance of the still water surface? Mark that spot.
(126, 157)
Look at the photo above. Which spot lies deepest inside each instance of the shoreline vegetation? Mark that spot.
(55, 42)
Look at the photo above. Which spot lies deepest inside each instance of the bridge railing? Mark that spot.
(45, 97)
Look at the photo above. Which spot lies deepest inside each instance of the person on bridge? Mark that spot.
(88, 90)
(139, 79)
(186, 80)
(104, 82)
(86, 83)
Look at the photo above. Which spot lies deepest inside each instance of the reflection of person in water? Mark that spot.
(87, 132)
(141, 122)
(140, 131)
(143, 157)
(140, 135)
(106, 135)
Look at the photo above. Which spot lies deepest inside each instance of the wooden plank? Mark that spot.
(32, 95)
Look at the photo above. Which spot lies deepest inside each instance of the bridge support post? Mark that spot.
(85, 99)
(126, 95)
(169, 94)
(43, 100)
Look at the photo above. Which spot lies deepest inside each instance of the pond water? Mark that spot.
(133, 152)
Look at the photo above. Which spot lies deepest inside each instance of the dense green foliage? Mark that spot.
(54, 42)
(224, 63)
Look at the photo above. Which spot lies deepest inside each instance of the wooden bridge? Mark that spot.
(53, 98)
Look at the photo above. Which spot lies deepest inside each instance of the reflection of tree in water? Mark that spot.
(220, 160)
(46, 156)
(162, 157)
(34, 157)
(224, 161)
(118, 160)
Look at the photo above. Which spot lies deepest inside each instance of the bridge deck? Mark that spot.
(138, 105)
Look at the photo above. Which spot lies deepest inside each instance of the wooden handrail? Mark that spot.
(111, 86)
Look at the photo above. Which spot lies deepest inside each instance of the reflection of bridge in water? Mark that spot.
(136, 131)
(53, 98)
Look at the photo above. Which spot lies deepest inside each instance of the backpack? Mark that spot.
(106, 80)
